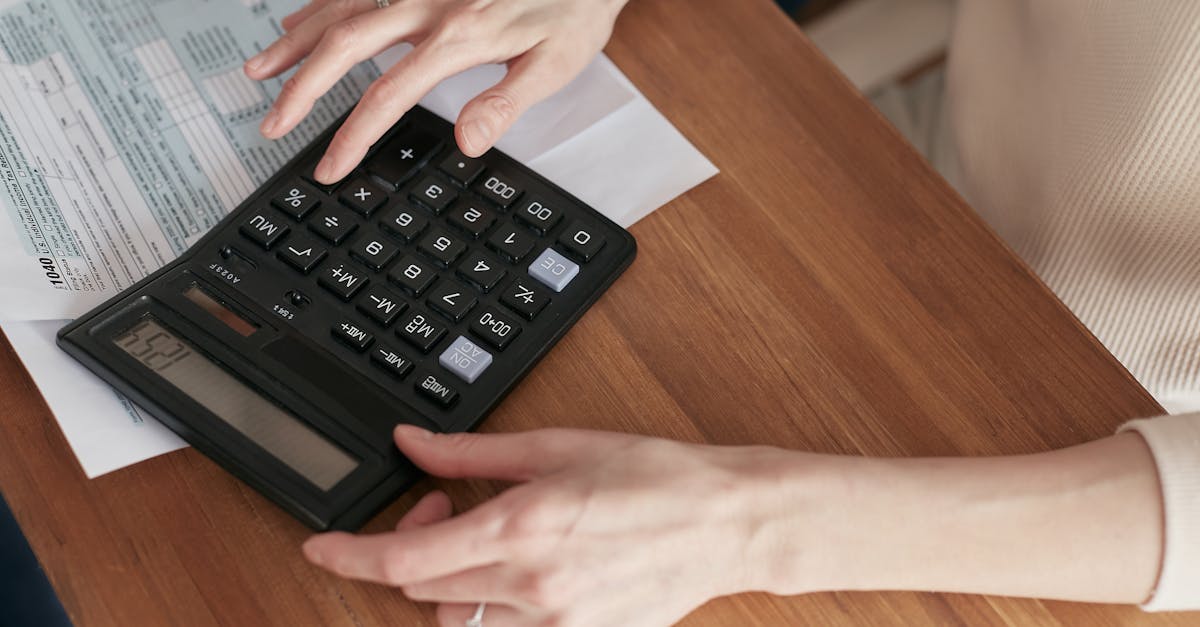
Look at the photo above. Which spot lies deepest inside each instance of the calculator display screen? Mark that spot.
(281, 434)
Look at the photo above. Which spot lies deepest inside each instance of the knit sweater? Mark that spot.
(1077, 127)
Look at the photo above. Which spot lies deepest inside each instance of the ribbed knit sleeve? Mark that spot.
(1175, 443)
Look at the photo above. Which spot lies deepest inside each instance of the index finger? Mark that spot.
(402, 557)
(388, 98)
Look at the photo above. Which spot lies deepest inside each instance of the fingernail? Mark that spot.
(314, 555)
(255, 62)
(412, 432)
(477, 133)
(324, 170)
(269, 124)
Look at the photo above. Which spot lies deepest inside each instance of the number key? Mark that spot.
(539, 215)
(452, 299)
(404, 223)
(442, 246)
(511, 243)
(412, 275)
(480, 270)
(581, 240)
(433, 194)
(375, 251)
(471, 217)
(498, 189)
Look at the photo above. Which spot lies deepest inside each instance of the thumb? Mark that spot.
(533, 77)
(504, 456)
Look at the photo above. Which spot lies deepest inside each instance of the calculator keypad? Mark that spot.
(435, 266)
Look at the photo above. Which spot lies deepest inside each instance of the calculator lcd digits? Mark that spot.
(289, 341)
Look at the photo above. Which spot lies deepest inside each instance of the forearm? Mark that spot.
(1083, 523)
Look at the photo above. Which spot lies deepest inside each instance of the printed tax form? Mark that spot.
(127, 129)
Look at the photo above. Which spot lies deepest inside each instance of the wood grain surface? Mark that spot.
(827, 292)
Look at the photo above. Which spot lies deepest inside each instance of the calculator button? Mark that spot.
(302, 253)
(342, 280)
(333, 225)
(404, 222)
(375, 251)
(296, 199)
(390, 361)
(539, 215)
(418, 329)
(523, 297)
(353, 336)
(412, 275)
(553, 269)
(381, 305)
(499, 189)
(435, 390)
(494, 328)
(471, 217)
(402, 156)
(452, 299)
(581, 241)
(512, 243)
(264, 229)
(363, 197)
(434, 194)
(442, 246)
(466, 359)
(481, 270)
(461, 168)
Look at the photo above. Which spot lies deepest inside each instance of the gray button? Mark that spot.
(553, 269)
(465, 359)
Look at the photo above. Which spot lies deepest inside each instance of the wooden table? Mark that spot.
(827, 291)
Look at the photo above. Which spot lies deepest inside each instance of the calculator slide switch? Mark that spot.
(465, 359)
(553, 270)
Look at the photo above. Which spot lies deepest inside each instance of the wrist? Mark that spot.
(1082, 523)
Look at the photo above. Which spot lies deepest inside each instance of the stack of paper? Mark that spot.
(125, 135)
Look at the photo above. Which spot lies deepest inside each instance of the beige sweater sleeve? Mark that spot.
(1175, 443)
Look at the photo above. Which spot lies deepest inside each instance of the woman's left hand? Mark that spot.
(603, 529)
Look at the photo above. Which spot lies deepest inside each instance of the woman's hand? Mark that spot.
(604, 529)
(610, 529)
(545, 43)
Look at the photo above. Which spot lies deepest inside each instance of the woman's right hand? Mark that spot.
(545, 43)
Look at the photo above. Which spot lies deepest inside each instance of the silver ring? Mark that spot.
(477, 619)
(383, 4)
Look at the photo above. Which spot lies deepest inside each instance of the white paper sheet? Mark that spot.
(599, 139)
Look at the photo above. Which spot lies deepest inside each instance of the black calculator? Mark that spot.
(289, 341)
